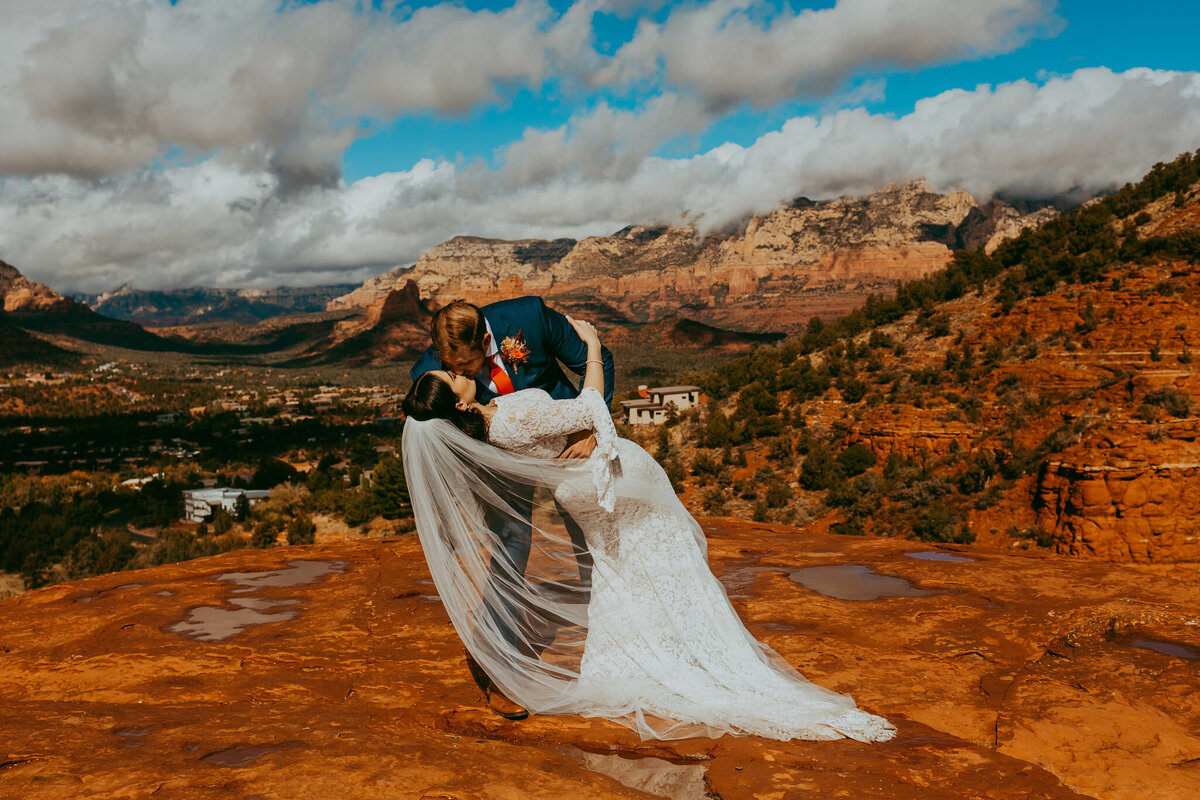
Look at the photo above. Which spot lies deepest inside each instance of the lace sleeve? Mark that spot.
(606, 463)
(534, 415)
(531, 418)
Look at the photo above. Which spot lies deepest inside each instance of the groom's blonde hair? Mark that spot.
(458, 329)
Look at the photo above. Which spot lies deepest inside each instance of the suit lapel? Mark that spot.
(503, 328)
(500, 329)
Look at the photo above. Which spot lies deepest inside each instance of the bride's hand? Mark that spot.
(586, 331)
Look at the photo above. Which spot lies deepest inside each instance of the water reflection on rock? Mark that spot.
(133, 736)
(241, 756)
(212, 624)
(1166, 648)
(854, 582)
(938, 555)
(106, 592)
(741, 575)
(656, 776)
(297, 573)
(218, 623)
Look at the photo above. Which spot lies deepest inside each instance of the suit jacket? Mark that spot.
(550, 339)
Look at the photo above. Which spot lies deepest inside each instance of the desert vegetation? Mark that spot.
(935, 412)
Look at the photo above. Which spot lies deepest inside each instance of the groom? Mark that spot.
(508, 346)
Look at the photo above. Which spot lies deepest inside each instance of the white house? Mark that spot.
(199, 504)
(653, 407)
(684, 397)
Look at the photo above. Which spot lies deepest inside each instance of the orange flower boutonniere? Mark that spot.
(514, 350)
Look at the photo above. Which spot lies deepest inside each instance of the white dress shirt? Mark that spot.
(485, 372)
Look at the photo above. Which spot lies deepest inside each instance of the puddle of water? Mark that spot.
(164, 593)
(648, 774)
(210, 624)
(740, 578)
(133, 736)
(296, 573)
(134, 732)
(938, 555)
(853, 582)
(216, 624)
(1166, 648)
(261, 603)
(104, 592)
(241, 756)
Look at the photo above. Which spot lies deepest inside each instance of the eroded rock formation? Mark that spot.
(798, 261)
(18, 293)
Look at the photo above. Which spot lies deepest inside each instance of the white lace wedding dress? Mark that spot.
(664, 651)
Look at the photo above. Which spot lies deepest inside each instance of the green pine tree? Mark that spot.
(389, 490)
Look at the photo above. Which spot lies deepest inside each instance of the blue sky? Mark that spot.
(1117, 35)
(260, 143)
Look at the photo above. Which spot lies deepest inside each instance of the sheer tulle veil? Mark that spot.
(527, 629)
(688, 665)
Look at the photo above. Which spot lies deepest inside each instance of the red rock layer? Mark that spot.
(1008, 679)
(796, 262)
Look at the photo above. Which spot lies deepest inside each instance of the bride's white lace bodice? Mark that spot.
(533, 423)
(663, 639)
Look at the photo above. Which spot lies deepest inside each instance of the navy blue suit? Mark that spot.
(550, 338)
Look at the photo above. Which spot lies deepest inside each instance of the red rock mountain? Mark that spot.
(18, 293)
(1048, 394)
(798, 261)
(395, 328)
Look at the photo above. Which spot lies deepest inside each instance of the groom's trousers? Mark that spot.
(516, 539)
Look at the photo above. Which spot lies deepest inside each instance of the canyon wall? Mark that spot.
(802, 260)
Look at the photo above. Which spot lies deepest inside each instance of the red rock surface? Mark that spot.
(1008, 679)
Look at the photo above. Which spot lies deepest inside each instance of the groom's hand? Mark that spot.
(579, 445)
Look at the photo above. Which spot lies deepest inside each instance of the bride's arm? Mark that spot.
(582, 444)
(593, 377)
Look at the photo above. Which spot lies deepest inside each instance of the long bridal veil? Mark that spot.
(661, 648)
(526, 624)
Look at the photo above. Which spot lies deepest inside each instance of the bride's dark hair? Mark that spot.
(432, 398)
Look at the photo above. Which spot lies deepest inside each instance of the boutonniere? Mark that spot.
(514, 350)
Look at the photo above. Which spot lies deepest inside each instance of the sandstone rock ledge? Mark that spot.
(1008, 678)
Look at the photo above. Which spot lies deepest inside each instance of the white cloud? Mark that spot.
(222, 223)
(93, 87)
(730, 51)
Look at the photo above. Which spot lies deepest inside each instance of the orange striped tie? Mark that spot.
(500, 378)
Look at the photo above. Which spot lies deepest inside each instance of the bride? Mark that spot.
(648, 639)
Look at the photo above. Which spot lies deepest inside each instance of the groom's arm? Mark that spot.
(566, 345)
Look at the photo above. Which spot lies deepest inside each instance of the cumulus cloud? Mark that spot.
(222, 223)
(93, 87)
(730, 51)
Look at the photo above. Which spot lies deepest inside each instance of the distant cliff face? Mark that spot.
(203, 305)
(798, 261)
(21, 294)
